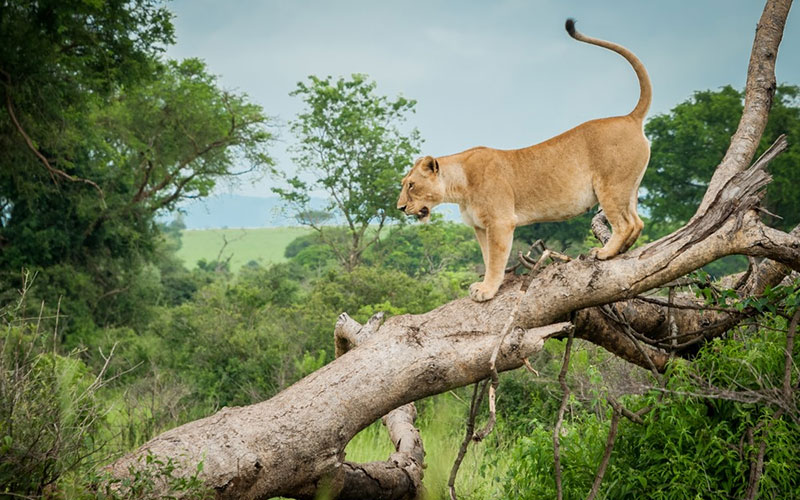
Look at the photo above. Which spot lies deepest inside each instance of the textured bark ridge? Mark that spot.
(293, 444)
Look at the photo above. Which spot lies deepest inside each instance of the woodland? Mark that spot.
(359, 368)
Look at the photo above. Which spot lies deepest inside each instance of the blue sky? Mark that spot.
(503, 74)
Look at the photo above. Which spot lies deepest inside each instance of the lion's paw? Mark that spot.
(480, 292)
(600, 253)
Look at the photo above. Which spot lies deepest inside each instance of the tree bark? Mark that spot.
(293, 444)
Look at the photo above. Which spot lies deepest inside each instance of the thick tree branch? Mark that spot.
(399, 477)
(759, 90)
(276, 447)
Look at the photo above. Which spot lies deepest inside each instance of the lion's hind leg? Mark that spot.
(618, 194)
(622, 228)
(638, 225)
(619, 205)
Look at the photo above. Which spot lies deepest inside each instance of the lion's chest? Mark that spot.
(469, 217)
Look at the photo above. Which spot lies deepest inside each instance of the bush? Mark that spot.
(699, 440)
(50, 412)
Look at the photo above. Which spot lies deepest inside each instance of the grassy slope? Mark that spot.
(263, 245)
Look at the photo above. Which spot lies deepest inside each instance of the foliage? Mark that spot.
(350, 147)
(688, 143)
(148, 476)
(699, 440)
(50, 413)
(94, 149)
(87, 47)
(314, 252)
(531, 475)
(243, 337)
(427, 249)
(177, 134)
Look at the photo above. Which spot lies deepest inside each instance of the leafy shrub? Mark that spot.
(698, 442)
(50, 412)
(153, 478)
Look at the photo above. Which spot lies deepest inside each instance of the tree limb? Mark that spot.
(759, 90)
(53, 171)
(401, 475)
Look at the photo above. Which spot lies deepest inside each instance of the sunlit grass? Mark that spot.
(263, 245)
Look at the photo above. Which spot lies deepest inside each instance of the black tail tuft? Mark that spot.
(571, 27)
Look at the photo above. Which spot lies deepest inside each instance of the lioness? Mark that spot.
(497, 190)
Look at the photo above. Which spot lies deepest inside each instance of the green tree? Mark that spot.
(688, 142)
(60, 61)
(57, 59)
(350, 147)
(93, 147)
(175, 136)
(422, 250)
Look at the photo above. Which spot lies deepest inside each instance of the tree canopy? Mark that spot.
(689, 140)
(99, 133)
(350, 147)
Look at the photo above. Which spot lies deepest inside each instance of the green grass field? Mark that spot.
(264, 245)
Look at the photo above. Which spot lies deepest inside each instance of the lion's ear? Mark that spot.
(430, 164)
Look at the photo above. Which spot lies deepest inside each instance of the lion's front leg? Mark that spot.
(480, 235)
(498, 245)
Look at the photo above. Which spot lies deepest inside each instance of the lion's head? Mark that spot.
(422, 189)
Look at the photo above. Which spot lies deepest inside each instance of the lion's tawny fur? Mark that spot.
(497, 190)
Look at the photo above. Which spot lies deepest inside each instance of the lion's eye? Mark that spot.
(410, 186)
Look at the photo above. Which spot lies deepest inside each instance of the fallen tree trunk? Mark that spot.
(293, 444)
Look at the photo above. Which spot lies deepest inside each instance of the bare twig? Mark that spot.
(757, 465)
(478, 392)
(673, 328)
(525, 259)
(530, 367)
(562, 380)
(632, 334)
(601, 470)
(633, 417)
(788, 394)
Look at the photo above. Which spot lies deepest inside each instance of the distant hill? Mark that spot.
(233, 211)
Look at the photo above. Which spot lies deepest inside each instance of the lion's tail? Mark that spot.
(645, 89)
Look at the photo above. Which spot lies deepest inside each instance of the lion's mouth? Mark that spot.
(423, 212)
